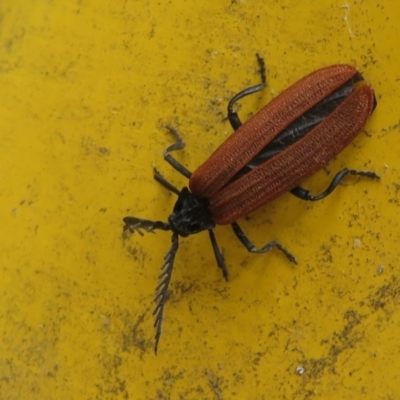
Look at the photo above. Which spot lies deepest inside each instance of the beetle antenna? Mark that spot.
(133, 224)
(162, 287)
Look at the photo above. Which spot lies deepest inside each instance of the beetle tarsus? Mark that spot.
(306, 194)
(269, 246)
(178, 145)
(162, 288)
(219, 256)
(262, 69)
(286, 252)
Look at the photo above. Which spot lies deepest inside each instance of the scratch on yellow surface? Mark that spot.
(86, 88)
(346, 18)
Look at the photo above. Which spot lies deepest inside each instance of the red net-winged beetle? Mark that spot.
(283, 144)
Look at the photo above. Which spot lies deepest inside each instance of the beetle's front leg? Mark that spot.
(178, 145)
(162, 181)
(218, 254)
(306, 194)
(252, 249)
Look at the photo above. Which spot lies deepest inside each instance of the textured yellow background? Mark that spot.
(86, 87)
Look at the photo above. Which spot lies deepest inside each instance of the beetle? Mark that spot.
(284, 143)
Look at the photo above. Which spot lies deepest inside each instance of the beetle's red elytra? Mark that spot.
(241, 147)
(284, 171)
(283, 144)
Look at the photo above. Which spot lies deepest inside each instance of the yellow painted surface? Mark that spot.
(86, 87)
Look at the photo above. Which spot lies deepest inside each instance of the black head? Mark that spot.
(190, 214)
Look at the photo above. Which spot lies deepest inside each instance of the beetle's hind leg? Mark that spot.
(178, 145)
(252, 249)
(233, 115)
(306, 194)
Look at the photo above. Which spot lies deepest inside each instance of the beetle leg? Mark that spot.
(233, 115)
(252, 249)
(306, 194)
(162, 287)
(178, 145)
(160, 179)
(133, 224)
(218, 254)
